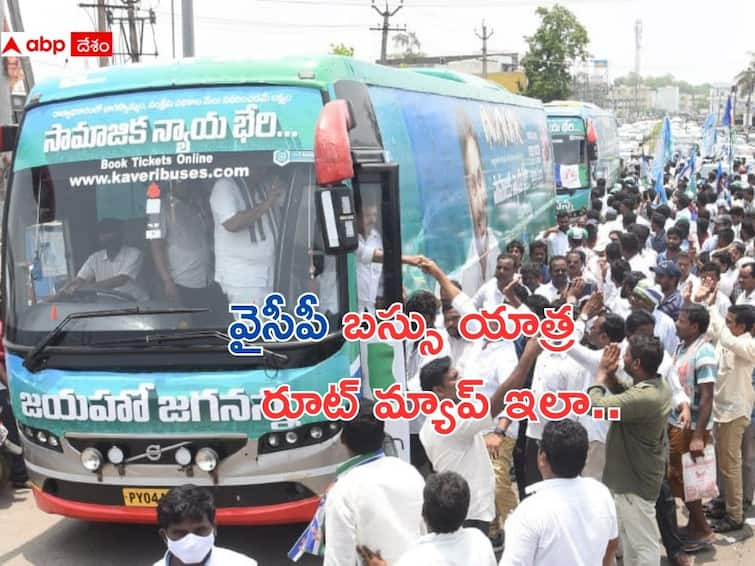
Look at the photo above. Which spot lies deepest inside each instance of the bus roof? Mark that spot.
(317, 72)
(575, 108)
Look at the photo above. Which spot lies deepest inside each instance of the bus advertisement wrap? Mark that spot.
(177, 122)
(496, 166)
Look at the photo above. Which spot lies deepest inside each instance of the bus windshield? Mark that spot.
(183, 198)
(569, 150)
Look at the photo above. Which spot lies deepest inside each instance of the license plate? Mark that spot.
(142, 497)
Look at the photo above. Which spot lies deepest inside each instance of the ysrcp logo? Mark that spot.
(282, 157)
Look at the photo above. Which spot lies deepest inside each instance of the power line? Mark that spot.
(386, 14)
(484, 37)
(236, 22)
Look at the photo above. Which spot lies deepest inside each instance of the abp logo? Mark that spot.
(79, 44)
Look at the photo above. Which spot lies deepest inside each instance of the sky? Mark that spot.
(694, 40)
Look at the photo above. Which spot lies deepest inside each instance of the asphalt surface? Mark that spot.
(29, 536)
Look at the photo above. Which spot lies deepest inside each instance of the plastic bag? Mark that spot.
(700, 475)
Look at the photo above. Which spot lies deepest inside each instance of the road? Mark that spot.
(28, 536)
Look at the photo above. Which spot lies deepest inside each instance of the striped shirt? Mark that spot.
(696, 364)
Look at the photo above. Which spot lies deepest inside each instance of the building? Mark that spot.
(717, 100)
(667, 99)
(631, 104)
(502, 68)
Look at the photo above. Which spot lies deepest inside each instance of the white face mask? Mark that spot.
(191, 549)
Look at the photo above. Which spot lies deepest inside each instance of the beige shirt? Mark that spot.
(733, 396)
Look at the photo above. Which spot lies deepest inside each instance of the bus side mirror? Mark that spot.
(337, 217)
(592, 141)
(8, 135)
(333, 163)
(592, 151)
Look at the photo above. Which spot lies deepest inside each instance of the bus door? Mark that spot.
(358, 194)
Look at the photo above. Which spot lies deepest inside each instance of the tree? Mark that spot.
(341, 49)
(558, 43)
(745, 82)
(410, 45)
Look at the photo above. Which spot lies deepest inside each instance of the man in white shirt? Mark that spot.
(568, 519)
(369, 257)
(182, 254)
(729, 272)
(376, 501)
(463, 451)
(446, 502)
(115, 267)
(646, 298)
(684, 263)
(606, 329)
(186, 516)
(554, 371)
(630, 249)
(558, 241)
(733, 399)
(490, 295)
(492, 361)
(747, 284)
(246, 238)
(559, 272)
(712, 273)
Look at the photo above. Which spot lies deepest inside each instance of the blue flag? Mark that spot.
(663, 148)
(726, 121)
(311, 540)
(719, 173)
(709, 135)
(660, 190)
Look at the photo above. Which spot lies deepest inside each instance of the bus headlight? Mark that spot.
(183, 456)
(315, 432)
(291, 437)
(115, 455)
(206, 459)
(91, 459)
(306, 435)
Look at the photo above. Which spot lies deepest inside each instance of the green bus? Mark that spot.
(580, 162)
(165, 192)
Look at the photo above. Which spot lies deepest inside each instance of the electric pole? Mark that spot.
(484, 37)
(130, 26)
(17, 24)
(173, 27)
(134, 43)
(102, 26)
(637, 47)
(187, 27)
(386, 14)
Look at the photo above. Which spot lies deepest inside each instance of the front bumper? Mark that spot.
(300, 511)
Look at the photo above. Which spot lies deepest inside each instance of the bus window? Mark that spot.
(569, 151)
(370, 251)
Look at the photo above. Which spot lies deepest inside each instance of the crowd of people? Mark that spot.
(663, 297)
(663, 289)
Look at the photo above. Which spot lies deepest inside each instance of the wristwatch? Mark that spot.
(499, 431)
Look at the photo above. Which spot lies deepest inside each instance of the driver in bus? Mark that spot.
(484, 248)
(115, 266)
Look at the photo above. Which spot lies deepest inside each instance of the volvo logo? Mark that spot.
(153, 452)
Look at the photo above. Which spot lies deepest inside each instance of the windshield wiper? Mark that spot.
(192, 335)
(35, 357)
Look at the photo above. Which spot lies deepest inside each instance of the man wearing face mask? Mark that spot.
(114, 266)
(186, 516)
